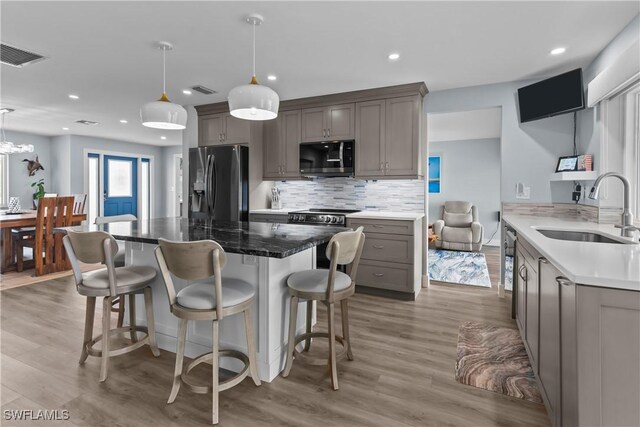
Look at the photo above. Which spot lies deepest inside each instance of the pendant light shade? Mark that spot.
(254, 101)
(163, 114)
(8, 147)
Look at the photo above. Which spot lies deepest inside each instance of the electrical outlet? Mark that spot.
(575, 196)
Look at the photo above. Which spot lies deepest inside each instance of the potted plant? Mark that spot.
(39, 191)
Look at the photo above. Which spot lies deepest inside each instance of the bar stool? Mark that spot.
(118, 259)
(328, 286)
(206, 299)
(99, 247)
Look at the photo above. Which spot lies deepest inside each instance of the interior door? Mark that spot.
(120, 185)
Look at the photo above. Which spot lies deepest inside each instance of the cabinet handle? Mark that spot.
(563, 281)
(224, 136)
(378, 246)
(378, 274)
(386, 166)
(324, 133)
(329, 132)
(522, 276)
(378, 226)
(543, 260)
(220, 137)
(381, 165)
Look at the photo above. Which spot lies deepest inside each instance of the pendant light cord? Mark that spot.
(164, 69)
(4, 138)
(254, 49)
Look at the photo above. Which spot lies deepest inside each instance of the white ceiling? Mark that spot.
(464, 125)
(102, 51)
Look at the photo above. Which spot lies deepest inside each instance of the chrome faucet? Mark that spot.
(628, 229)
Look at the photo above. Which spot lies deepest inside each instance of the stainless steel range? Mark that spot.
(335, 217)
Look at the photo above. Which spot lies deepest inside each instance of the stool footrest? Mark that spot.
(317, 360)
(223, 385)
(123, 350)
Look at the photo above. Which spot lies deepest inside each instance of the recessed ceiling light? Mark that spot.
(163, 137)
(186, 92)
(72, 96)
(65, 128)
(558, 51)
(394, 56)
(123, 121)
(272, 77)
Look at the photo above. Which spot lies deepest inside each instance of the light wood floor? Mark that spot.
(403, 373)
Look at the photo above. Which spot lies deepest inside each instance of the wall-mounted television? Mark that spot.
(557, 95)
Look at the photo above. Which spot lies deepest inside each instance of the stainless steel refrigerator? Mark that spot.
(219, 183)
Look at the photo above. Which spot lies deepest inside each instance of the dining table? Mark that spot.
(8, 221)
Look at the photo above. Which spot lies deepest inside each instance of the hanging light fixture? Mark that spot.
(7, 147)
(163, 114)
(254, 101)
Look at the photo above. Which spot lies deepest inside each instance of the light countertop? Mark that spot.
(386, 215)
(270, 211)
(597, 264)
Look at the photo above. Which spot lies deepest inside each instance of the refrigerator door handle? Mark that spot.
(213, 184)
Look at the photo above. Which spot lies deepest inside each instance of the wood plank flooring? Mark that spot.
(403, 373)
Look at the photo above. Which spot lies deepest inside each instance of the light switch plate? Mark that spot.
(522, 191)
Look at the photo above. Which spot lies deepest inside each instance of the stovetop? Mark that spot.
(320, 216)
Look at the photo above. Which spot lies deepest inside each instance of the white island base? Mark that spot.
(270, 312)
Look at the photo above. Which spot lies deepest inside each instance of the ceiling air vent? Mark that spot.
(87, 122)
(15, 57)
(203, 90)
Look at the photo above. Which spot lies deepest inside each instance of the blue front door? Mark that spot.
(120, 185)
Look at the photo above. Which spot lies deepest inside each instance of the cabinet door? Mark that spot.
(402, 152)
(271, 149)
(549, 338)
(568, 354)
(370, 138)
(235, 131)
(313, 125)
(210, 130)
(521, 293)
(532, 313)
(291, 125)
(341, 121)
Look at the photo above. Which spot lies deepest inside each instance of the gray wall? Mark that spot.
(19, 179)
(470, 172)
(529, 151)
(168, 173)
(61, 157)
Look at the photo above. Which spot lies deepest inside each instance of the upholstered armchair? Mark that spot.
(459, 228)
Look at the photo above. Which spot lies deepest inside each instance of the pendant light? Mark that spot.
(7, 147)
(163, 114)
(254, 101)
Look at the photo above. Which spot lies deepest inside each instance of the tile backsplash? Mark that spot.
(405, 195)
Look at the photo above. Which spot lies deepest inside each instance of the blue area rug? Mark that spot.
(464, 268)
(508, 273)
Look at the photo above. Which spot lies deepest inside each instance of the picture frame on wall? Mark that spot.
(435, 174)
(567, 164)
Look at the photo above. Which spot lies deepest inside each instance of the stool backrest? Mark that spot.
(343, 249)
(91, 247)
(115, 218)
(196, 260)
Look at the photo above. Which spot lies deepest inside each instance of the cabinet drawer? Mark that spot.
(382, 226)
(385, 275)
(268, 218)
(386, 247)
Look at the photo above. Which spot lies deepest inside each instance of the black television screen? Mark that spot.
(557, 95)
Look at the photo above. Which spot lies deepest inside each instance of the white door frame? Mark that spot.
(101, 154)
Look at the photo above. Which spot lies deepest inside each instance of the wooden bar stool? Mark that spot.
(99, 247)
(117, 305)
(206, 299)
(328, 286)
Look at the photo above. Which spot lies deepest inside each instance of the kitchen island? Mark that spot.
(262, 254)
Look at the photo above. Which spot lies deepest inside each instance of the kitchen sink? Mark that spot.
(579, 236)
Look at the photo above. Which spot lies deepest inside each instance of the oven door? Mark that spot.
(326, 158)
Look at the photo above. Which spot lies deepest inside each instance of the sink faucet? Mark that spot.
(627, 226)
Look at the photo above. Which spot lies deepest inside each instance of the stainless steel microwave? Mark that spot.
(335, 158)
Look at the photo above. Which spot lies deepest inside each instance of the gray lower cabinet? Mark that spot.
(391, 257)
(583, 342)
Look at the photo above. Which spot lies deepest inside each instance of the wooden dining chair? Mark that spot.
(48, 256)
(79, 201)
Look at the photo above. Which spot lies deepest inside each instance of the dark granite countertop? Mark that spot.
(250, 238)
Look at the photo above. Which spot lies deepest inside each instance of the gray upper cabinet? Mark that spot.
(282, 146)
(333, 122)
(223, 128)
(370, 138)
(388, 138)
(403, 136)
